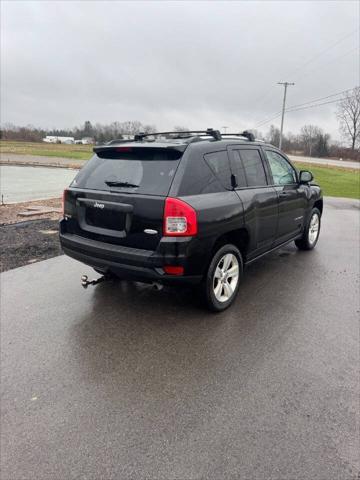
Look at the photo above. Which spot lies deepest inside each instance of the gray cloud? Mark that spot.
(194, 63)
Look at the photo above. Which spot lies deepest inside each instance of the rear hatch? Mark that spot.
(118, 197)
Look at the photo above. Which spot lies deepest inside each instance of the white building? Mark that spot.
(87, 140)
(55, 139)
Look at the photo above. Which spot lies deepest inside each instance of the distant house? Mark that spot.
(56, 139)
(87, 140)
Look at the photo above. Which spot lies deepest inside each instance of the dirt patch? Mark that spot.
(28, 242)
(23, 242)
(10, 213)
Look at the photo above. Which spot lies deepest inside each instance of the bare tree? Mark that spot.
(180, 128)
(149, 128)
(309, 135)
(257, 134)
(273, 135)
(349, 116)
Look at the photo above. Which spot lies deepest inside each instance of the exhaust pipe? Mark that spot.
(158, 286)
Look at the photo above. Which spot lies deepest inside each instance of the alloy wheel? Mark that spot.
(226, 277)
(313, 228)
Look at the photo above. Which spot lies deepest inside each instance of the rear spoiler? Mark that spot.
(104, 150)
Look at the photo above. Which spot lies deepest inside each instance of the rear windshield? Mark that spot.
(148, 171)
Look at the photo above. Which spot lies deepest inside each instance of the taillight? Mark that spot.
(179, 218)
(173, 270)
(63, 202)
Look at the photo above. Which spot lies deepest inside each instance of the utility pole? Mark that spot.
(225, 128)
(286, 84)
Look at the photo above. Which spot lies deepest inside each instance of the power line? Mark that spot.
(268, 120)
(314, 58)
(303, 106)
(296, 110)
(335, 59)
(331, 61)
(324, 51)
(315, 105)
(322, 98)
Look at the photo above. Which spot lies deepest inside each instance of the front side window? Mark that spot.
(282, 172)
(253, 167)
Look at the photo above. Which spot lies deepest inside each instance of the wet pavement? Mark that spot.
(41, 160)
(122, 382)
(20, 183)
(328, 162)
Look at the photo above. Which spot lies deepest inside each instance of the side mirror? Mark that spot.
(305, 176)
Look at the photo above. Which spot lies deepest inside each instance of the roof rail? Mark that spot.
(209, 131)
(115, 141)
(250, 136)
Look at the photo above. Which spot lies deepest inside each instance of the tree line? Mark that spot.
(311, 140)
(99, 132)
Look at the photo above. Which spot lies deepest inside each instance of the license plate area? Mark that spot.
(104, 218)
(108, 219)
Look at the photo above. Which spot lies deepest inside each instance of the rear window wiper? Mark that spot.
(115, 183)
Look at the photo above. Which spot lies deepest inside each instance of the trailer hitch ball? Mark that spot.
(85, 282)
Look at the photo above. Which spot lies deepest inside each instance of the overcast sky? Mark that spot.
(197, 64)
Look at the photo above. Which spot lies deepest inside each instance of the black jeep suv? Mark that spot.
(192, 207)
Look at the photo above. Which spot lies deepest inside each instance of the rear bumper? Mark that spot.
(128, 263)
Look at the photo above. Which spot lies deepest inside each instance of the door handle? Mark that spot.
(284, 194)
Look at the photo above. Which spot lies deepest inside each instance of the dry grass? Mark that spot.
(78, 152)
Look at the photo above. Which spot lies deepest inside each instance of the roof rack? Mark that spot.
(250, 136)
(209, 131)
(191, 135)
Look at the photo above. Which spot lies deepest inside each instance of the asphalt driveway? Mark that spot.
(123, 382)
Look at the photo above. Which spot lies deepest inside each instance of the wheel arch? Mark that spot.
(319, 204)
(239, 237)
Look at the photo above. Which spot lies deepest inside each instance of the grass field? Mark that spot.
(77, 152)
(335, 181)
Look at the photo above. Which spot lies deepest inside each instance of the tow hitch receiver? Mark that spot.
(85, 282)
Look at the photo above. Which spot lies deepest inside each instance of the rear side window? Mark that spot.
(253, 168)
(198, 179)
(219, 164)
(148, 171)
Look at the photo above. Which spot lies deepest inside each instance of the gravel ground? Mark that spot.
(28, 242)
(9, 212)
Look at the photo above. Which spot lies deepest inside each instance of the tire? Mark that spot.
(220, 288)
(311, 232)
